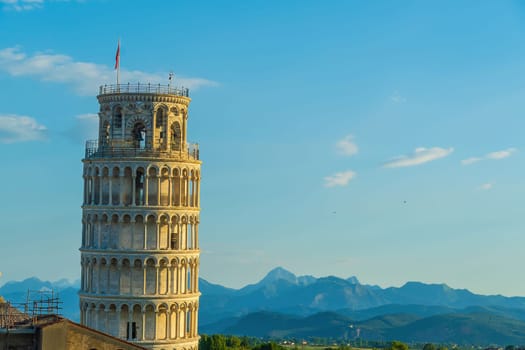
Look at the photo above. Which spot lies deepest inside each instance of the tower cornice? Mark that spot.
(143, 97)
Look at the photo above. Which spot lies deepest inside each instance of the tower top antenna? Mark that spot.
(170, 78)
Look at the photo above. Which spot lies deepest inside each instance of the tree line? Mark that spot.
(231, 342)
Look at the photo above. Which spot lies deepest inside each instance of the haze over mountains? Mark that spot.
(285, 305)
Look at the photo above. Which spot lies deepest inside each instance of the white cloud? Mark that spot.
(21, 5)
(485, 187)
(501, 154)
(84, 77)
(27, 5)
(339, 179)
(16, 128)
(471, 160)
(397, 98)
(347, 146)
(496, 155)
(421, 155)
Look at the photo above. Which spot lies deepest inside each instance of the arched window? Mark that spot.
(176, 136)
(117, 118)
(160, 118)
(105, 133)
(139, 135)
(139, 187)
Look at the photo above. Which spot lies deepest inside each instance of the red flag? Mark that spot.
(117, 56)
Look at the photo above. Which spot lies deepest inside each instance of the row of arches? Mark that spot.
(164, 127)
(139, 277)
(141, 185)
(142, 322)
(140, 232)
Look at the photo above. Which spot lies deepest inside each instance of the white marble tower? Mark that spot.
(140, 219)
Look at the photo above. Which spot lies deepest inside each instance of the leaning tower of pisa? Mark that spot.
(140, 219)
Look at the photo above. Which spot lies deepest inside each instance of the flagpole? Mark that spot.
(118, 68)
(117, 62)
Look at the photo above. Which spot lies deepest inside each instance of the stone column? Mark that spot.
(169, 190)
(144, 278)
(118, 311)
(170, 279)
(145, 222)
(192, 234)
(155, 321)
(92, 190)
(106, 278)
(194, 276)
(99, 231)
(85, 190)
(196, 314)
(143, 337)
(197, 192)
(158, 188)
(119, 272)
(132, 227)
(106, 319)
(175, 279)
(186, 190)
(97, 288)
(197, 276)
(168, 324)
(193, 191)
(181, 195)
(145, 191)
(121, 188)
(196, 223)
(130, 323)
(100, 185)
(110, 188)
(133, 190)
(177, 322)
(158, 234)
(157, 281)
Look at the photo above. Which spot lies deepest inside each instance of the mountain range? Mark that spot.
(283, 305)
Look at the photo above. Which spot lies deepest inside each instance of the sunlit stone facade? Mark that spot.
(140, 219)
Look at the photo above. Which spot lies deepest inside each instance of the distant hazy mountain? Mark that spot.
(282, 291)
(16, 293)
(283, 304)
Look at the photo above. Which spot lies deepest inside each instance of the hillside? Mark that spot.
(459, 328)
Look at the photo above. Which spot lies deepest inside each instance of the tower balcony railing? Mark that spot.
(108, 150)
(143, 88)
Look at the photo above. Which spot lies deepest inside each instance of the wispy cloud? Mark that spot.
(501, 154)
(421, 155)
(21, 5)
(496, 155)
(84, 77)
(17, 128)
(339, 179)
(485, 187)
(347, 146)
(85, 127)
(397, 98)
(471, 160)
(27, 5)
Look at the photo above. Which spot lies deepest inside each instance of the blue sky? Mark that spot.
(381, 139)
